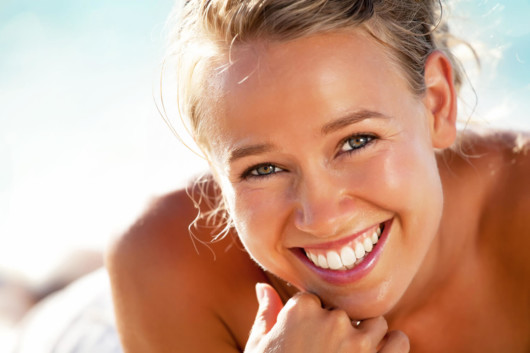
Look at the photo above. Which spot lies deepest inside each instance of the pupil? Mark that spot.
(266, 169)
(356, 141)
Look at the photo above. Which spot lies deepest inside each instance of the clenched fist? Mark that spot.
(302, 325)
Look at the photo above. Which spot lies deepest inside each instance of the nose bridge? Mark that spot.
(321, 203)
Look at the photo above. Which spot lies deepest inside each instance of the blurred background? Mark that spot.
(83, 148)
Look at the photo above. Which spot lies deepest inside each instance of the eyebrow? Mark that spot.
(245, 151)
(350, 119)
(333, 126)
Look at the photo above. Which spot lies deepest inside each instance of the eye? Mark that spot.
(356, 142)
(262, 170)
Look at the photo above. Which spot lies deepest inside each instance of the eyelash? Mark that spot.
(367, 138)
(253, 172)
(249, 173)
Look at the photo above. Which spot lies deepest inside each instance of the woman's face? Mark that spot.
(318, 144)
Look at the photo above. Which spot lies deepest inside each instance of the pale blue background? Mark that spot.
(500, 31)
(82, 147)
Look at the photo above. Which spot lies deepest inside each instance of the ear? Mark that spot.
(440, 99)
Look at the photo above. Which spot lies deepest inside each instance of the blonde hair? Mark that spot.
(207, 30)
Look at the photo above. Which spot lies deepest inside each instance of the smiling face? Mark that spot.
(327, 166)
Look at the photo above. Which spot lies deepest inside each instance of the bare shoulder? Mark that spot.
(487, 201)
(508, 205)
(175, 294)
(500, 162)
(503, 157)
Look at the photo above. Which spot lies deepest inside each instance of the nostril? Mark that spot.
(322, 207)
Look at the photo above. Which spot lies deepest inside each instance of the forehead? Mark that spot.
(249, 60)
(276, 85)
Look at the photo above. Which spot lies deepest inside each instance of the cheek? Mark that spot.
(402, 179)
(413, 176)
(258, 218)
(414, 193)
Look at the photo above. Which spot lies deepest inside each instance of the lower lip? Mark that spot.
(359, 271)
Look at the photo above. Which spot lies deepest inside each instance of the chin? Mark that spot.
(361, 306)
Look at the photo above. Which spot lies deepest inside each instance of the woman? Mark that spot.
(330, 129)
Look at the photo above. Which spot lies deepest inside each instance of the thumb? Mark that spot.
(270, 305)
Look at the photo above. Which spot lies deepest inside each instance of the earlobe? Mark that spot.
(440, 99)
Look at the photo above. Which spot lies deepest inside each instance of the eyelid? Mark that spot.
(247, 174)
(372, 137)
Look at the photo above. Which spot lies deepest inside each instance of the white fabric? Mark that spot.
(77, 319)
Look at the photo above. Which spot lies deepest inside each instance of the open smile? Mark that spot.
(348, 259)
(348, 255)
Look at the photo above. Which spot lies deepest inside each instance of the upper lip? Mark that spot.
(342, 241)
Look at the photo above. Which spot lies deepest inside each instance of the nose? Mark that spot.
(323, 205)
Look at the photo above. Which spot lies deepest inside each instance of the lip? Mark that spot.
(356, 273)
(341, 242)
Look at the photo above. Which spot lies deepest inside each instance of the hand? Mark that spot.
(302, 325)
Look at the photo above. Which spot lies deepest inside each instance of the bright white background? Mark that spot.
(82, 147)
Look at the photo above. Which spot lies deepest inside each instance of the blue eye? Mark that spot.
(355, 142)
(262, 170)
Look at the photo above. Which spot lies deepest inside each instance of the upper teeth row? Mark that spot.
(350, 254)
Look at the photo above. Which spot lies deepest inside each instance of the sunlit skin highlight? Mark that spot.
(319, 191)
(317, 143)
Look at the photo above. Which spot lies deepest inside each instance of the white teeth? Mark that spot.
(368, 246)
(313, 257)
(322, 262)
(374, 238)
(334, 260)
(359, 250)
(347, 256)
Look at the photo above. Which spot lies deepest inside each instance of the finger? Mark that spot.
(375, 329)
(304, 299)
(395, 342)
(270, 304)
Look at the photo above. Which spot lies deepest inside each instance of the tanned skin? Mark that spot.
(174, 294)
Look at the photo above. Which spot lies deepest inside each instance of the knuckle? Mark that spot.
(363, 343)
(381, 323)
(339, 318)
(302, 305)
(400, 341)
(306, 301)
(377, 324)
